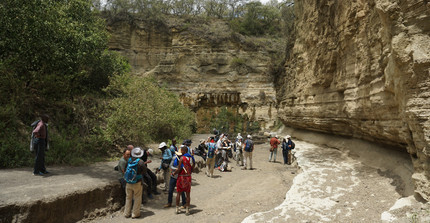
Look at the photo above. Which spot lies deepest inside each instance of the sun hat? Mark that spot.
(277, 136)
(163, 144)
(288, 136)
(137, 152)
(202, 140)
(249, 136)
(178, 153)
(150, 151)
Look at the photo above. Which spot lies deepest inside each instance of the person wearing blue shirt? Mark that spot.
(172, 182)
(165, 162)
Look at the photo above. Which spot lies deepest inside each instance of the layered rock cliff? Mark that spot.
(204, 64)
(362, 69)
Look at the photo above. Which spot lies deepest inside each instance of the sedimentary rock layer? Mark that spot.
(207, 70)
(362, 69)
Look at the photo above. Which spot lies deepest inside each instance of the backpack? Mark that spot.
(211, 150)
(33, 125)
(293, 145)
(248, 145)
(130, 175)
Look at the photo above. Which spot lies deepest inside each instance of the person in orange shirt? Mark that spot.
(274, 142)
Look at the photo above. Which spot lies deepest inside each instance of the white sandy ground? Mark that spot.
(359, 184)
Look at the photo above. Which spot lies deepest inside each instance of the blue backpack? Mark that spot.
(130, 175)
(211, 150)
(248, 145)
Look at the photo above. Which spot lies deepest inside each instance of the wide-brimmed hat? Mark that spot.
(276, 136)
(178, 153)
(137, 152)
(150, 151)
(288, 136)
(249, 136)
(163, 144)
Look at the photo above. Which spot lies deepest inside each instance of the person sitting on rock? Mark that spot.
(201, 150)
(149, 178)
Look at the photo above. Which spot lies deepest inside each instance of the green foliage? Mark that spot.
(54, 60)
(143, 112)
(228, 121)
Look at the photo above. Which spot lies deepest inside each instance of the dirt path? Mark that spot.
(229, 197)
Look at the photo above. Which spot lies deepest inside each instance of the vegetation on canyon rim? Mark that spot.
(54, 60)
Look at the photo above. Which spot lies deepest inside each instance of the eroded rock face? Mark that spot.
(205, 74)
(362, 69)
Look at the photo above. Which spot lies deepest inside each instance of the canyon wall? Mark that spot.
(206, 65)
(361, 68)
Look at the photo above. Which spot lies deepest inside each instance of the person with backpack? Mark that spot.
(210, 157)
(39, 144)
(290, 145)
(173, 180)
(133, 176)
(248, 148)
(165, 163)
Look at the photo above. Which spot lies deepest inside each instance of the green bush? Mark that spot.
(143, 112)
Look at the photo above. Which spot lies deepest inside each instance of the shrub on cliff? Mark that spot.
(142, 112)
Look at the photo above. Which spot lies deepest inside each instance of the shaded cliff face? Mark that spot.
(206, 66)
(361, 69)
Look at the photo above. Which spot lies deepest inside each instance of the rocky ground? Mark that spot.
(228, 197)
(332, 185)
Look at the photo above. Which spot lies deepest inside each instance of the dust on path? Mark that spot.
(229, 197)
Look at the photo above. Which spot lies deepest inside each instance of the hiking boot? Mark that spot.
(44, 172)
(244, 168)
(177, 211)
(187, 211)
(167, 205)
(38, 174)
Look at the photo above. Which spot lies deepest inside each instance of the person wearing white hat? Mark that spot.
(165, 163)
(173, 180)
(239, 150)
(248, 148)
(135, 169)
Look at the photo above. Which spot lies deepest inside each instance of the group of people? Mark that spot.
(177, 164)
(176, 167)
(287, 147)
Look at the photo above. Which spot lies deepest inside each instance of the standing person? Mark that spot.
(210, 159)
(248, 148)
(173, 147)
(39, 143)
(133, 176)
(274, 142)
(290, 146)
(122, 164)
(285, 150)
(173, 180)
(183, 184)
(239, 150)
(165, 163)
